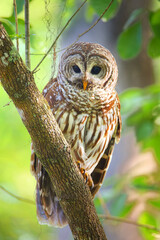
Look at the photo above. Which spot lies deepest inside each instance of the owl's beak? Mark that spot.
(85, 83)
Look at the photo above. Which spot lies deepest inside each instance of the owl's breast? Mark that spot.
(88, 134)
(72, 125)
(98, 133)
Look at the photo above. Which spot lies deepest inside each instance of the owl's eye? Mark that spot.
(76, 69)
(95, 70)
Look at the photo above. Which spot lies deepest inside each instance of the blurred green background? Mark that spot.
(132, 188)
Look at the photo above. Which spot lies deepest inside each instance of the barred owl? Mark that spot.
(87, 109)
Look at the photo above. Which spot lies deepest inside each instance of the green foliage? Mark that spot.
(133, 17)
(154, 47)
(20, 5)
(142, 184)
(130, 41)
(9, 26)
(154, 44)
(141, 108)
(148, 218)
(155, 203)
(154, 19)
(100, 5)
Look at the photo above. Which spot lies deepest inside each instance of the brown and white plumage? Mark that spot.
(87, 110)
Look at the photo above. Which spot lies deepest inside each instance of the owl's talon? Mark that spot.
(86, 176)
(89, 181)
(78, 164)
(83, 172)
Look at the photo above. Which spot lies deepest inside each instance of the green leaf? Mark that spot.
(89, 13)
(127, 209)
(144, 130)
(8, 26)
(20, 4)
(130, 41)
(98, 205)
(134, 15)
(142, 184)
(130, 100)
(147, 218)
(153, 143)
(99, 7)
(153, 89)
(118, 204)
(21, 27)
(155, 203)
(154, 19)
(154, 47)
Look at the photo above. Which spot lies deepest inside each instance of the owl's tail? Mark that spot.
(49, 210)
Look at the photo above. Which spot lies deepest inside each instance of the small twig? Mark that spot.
(127, 221)
(38, 54)
(65, 26)
(95, 21)
(16, 21)
(7, 104)
(27, 34)
(17, 197)
(103, 204)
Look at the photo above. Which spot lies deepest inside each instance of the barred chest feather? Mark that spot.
(88, 134)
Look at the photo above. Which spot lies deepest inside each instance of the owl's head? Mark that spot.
(87, 67)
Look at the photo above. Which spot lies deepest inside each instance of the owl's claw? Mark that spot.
(85, 175)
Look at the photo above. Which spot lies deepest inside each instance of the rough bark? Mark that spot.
(49, 143)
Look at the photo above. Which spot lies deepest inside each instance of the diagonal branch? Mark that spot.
(97, 21)
(27, 34)
(49, 143)
(17, 197)
(16, 21)
(128, 221)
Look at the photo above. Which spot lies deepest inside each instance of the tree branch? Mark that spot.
(27, 34)
(97, 21)
(128, 221)
(17, 197)
(49, 143)
(16, 21)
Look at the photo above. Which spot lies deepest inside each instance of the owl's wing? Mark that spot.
(49, 210)
(101, 168)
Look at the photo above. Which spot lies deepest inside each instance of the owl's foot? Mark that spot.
(85, 175)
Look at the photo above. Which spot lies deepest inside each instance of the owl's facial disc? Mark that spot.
(86, 72)
(73, 70)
